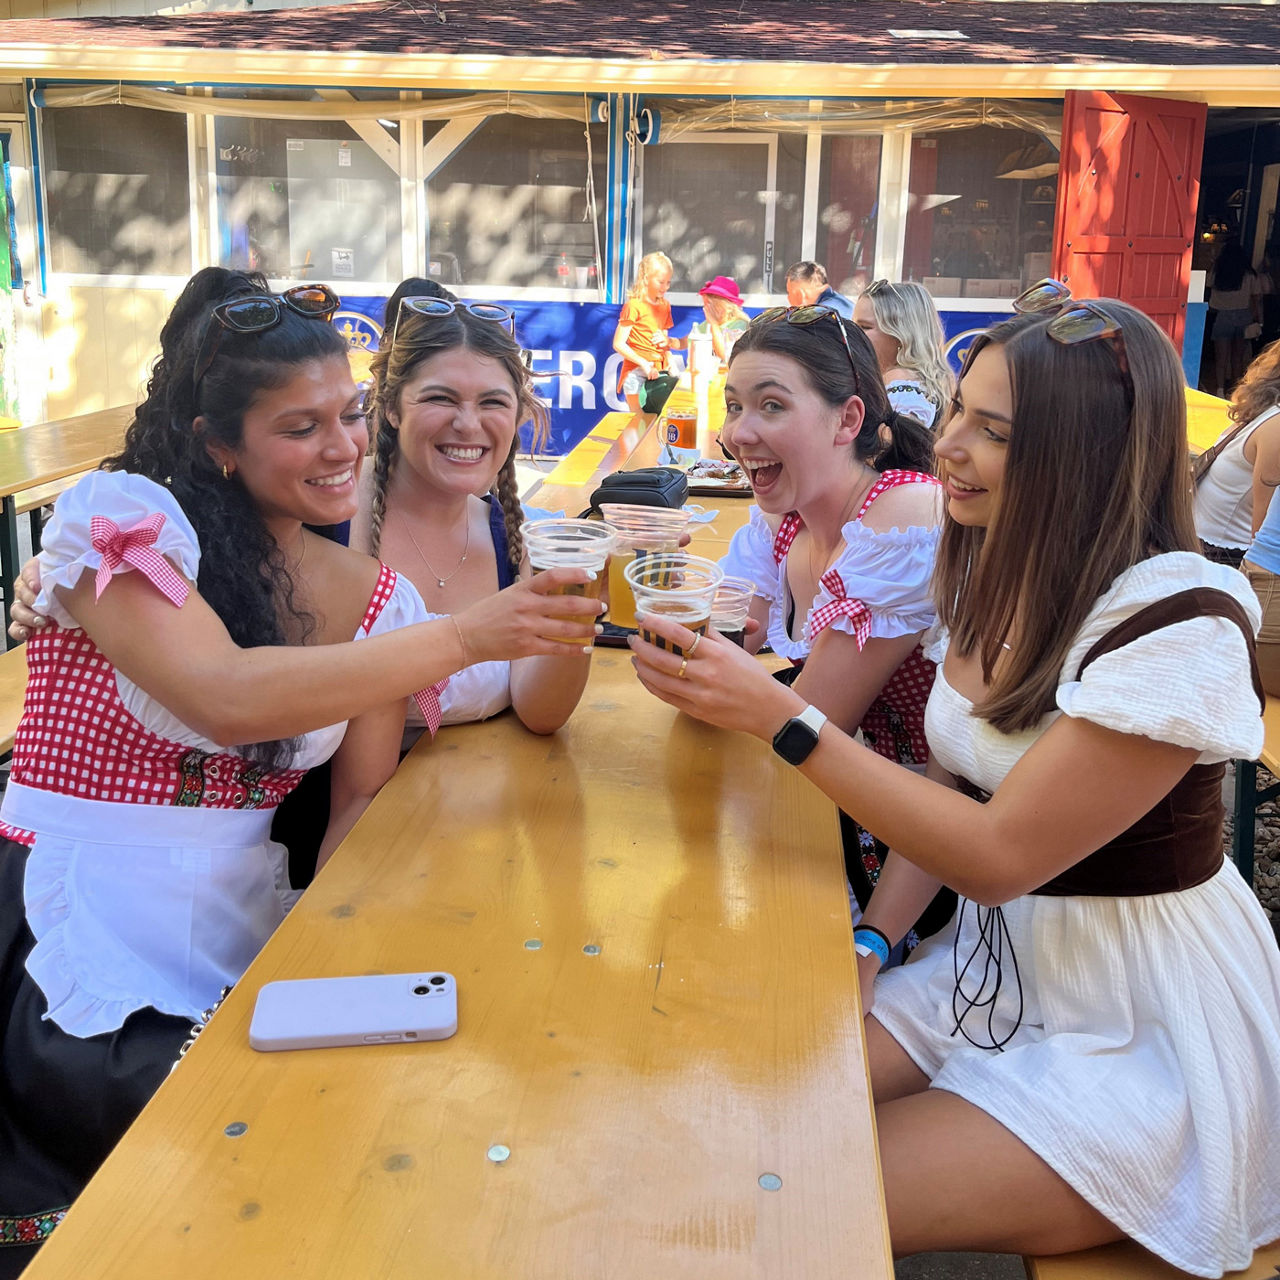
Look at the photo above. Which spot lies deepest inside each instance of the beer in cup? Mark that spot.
(638, 532)
(731, 606)
(675, 585)
(570, 544)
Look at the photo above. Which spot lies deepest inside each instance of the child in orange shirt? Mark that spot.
(641, 338)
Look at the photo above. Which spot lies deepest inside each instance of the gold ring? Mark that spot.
(693, 648)
(684, 662)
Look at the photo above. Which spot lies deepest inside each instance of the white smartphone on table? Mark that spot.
(380, 1008)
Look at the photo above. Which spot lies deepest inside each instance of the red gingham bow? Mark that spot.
(135, 547)
(428, 701)
(842, 606)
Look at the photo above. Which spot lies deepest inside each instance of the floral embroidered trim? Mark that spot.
(31, 1228)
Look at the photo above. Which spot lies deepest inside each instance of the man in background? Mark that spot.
(807, 286)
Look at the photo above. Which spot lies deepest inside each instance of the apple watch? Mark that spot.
(799, 735)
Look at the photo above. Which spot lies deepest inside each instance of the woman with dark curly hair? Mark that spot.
(196, 659)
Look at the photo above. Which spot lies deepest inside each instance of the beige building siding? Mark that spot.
(99, 345)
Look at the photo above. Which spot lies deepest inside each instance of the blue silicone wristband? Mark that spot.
(873, 940)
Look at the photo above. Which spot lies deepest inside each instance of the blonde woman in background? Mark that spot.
(642, 338)
(903, 327)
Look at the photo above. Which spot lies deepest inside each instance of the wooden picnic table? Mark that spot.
(659, 1021)
(38, 455)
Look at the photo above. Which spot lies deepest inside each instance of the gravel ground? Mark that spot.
(1266, 852)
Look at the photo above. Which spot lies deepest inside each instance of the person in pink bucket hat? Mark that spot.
(725, 318)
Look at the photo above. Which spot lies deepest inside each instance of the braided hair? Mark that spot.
(418, 338)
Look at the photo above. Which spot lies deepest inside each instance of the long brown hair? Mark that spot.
(419, 338)
(1095, 480)
(1259, 389)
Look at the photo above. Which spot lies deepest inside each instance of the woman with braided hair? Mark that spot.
(440, 503)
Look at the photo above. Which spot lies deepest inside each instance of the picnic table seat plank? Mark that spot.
(1129, 1261)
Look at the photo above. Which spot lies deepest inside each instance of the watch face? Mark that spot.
(794, 741)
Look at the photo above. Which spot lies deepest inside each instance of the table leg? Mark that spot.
(8, 558)
(1246, 809)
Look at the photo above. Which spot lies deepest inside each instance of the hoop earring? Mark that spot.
(226, 475)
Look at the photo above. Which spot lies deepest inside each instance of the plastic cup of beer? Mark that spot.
(677, 586)
(730, 608)
(570, 544)
(638, 532)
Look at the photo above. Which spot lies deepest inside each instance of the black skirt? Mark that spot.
(64, 1101)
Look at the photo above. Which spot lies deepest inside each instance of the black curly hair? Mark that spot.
(162, 444)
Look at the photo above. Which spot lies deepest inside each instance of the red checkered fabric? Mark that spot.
(792, 524)
(841, 606)
(136, 547)
(894, 723)
(77, 738)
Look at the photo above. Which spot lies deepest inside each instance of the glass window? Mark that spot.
(980, 223)
(116, 191)
(788, 204)
(705, 205)
(308, 199)
(848, 193)
(510, 206)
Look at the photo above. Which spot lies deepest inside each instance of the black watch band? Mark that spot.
(798, 737)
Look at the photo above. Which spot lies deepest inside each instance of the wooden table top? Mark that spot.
(49, 451)
(649, 928)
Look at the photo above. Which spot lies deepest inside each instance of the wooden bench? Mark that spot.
(1128, 1261)
(13, 688)
(1248, 797)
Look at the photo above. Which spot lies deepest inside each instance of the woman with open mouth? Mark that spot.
(841, 542)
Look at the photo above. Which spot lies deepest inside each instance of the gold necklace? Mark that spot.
(466, 546)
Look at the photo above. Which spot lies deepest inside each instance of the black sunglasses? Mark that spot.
(811, 315)
(257, 312)
(429, 306)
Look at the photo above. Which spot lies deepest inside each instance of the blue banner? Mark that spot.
(571, 346)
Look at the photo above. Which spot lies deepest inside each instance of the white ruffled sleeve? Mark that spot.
(909, 398)
(750, 556)
(114, 522)
(1187, 684)
(879, 587)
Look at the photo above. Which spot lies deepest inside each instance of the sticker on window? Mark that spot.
(293, 144)
(343, 263)
(344, 157)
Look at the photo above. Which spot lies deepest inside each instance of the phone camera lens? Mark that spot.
(438, 980)
(421, 991)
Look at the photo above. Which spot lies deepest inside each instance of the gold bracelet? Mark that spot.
(462, 640)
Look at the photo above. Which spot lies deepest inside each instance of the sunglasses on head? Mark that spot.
(437, 307)
(1075, 322)
(811, 315)
(257, 312)
(876, 286)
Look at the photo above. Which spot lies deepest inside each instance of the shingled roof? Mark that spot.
(820, 31)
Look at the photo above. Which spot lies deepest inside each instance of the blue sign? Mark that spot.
(572, 356)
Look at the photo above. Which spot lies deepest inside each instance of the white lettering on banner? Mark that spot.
(609, 384)
(577, 368)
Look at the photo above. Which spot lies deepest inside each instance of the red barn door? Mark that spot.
(1127, 194)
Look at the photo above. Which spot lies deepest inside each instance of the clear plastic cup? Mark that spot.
(570, 544)
(638, 532)
(675, 585)
(731, 607)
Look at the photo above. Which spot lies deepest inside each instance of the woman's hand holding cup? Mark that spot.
(711, 679)
(532, 617)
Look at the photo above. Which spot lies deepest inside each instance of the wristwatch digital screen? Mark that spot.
(798, 737)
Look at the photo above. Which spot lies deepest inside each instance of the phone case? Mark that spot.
(382, 1008)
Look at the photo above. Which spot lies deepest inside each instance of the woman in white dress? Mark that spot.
(1092, 1048)
(905, 331)
(202, 648)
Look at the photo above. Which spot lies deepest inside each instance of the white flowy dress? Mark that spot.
(1145, 1069)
